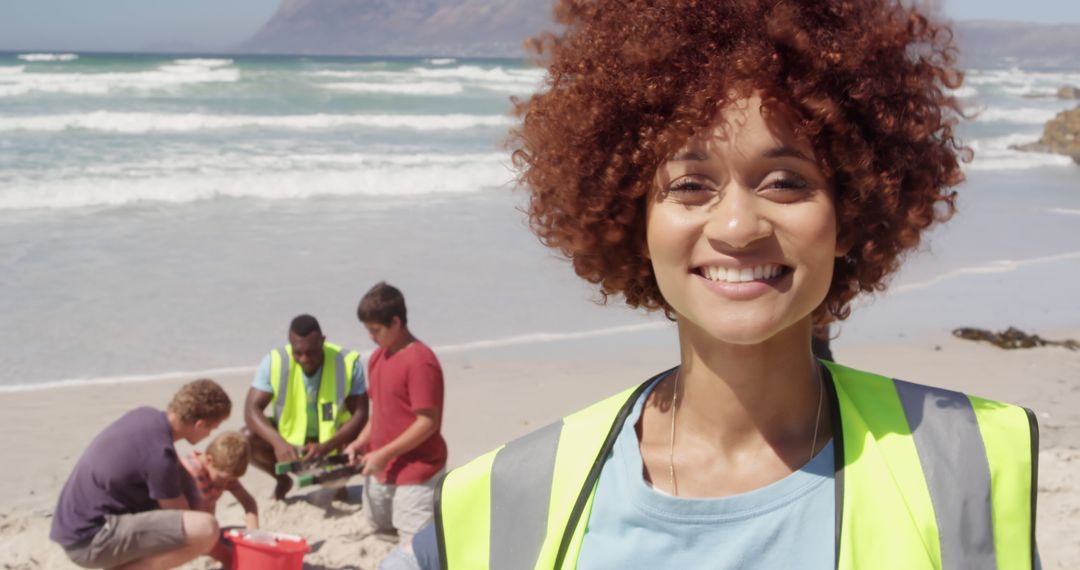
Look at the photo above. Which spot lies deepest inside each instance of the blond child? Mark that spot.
(216, 471)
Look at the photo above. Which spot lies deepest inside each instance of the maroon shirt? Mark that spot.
(127, 468)
(399, 384)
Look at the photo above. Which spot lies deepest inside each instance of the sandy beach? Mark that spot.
(497, 394)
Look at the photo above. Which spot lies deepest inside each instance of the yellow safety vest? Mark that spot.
(925, 478)
(290, 396)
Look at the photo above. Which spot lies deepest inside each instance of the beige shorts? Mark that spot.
(404, 508)
(125, 538)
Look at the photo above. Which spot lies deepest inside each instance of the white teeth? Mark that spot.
(744, 275)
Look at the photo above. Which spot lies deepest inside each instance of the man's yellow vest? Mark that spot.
(290, 396)
(925, 478)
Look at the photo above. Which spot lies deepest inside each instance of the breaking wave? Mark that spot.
(428, 88)
(1019, 116)
(440, 81)
(191, 179)
(36, 57)
(14, 81)
(994, 154)
(136, 123)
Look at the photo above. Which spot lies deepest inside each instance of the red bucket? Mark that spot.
(262, 550)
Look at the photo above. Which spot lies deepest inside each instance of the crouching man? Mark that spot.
(123, 505)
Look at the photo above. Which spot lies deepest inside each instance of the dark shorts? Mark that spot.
(126, 538)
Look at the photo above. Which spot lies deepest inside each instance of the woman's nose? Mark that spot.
(736, 219)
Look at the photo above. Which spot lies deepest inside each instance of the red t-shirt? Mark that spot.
(398, 385)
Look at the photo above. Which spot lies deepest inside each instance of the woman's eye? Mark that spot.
(788, 183)
(786, 187)
(687, 185)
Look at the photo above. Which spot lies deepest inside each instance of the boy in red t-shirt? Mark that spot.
(401, 448)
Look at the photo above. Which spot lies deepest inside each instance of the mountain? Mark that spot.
(498, 28)
(401, 27)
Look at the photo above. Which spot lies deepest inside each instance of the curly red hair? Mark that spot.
(629, 82)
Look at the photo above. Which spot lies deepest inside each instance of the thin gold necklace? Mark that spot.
(674, 408)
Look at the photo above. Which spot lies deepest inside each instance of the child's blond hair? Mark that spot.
(230, 453)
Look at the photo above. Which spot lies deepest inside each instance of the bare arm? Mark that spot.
(251, 508)
(425, 424)
(256, 421)
(356, 448)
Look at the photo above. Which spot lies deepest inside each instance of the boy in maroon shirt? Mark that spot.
(401, 448)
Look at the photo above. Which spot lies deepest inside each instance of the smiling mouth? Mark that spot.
(764, 272)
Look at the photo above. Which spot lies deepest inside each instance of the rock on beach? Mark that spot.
(1061, 135)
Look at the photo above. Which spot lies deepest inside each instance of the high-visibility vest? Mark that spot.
(290, 403)
(925, 478)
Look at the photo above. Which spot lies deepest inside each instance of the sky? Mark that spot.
(130, 25)
(208, 25)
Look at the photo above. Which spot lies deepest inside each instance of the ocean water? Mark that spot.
(166, 214)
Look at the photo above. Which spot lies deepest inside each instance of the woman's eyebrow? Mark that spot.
(785, 152)
(688, 155)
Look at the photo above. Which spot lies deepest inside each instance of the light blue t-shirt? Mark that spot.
(787, 524)
(311, 385)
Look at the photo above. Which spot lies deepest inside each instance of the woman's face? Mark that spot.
(741, 227)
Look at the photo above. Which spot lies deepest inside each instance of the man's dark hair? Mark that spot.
(304, 325)
(381, 304)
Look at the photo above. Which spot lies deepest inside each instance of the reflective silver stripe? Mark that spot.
(339, 378)
(957, 472)
(283, 383)
(521, 477)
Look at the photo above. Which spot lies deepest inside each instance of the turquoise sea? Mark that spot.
(164, 214)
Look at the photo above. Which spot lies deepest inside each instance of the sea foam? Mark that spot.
(421, 88)
(203, 62)
(165, 77)
(965, 92)
(1019, 116)
(440, 81)
(38, 57)
(996, 266)
(266, 178)
(136, 123)
(1063, 211)
(994, 154)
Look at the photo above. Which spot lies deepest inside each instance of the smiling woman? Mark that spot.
(748, 167)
